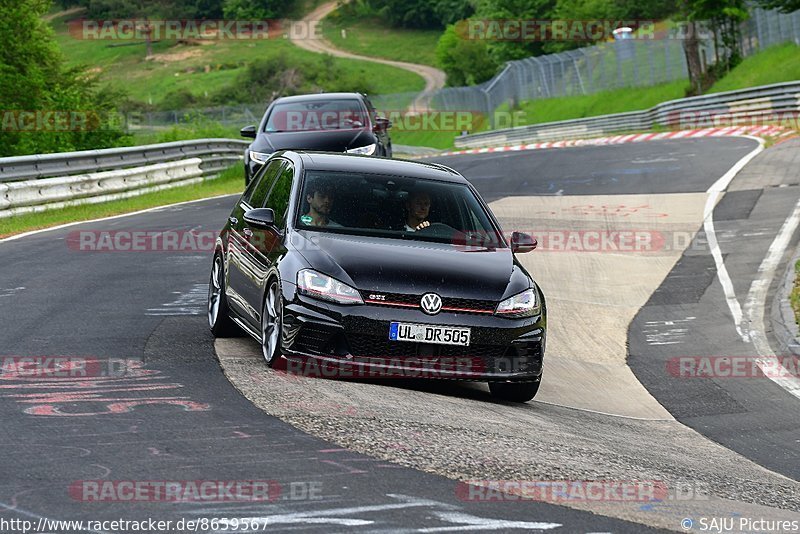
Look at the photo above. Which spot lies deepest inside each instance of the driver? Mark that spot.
(320, 197)
(418, 207)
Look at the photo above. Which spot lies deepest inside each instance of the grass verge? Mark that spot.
(773, 65)
(371, 37)
(780, 63)
(206, 68)
(432, 139)
(604, 103)
(229, 182)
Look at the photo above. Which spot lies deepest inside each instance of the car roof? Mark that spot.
(320, 96)
(328, 161)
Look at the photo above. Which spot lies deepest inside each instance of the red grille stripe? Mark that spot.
(444, 308)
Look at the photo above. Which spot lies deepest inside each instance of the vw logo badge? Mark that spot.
(431, 303)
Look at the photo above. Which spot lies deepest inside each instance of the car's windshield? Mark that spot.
(394, 206)
(317, 115)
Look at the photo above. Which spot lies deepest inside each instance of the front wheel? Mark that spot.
(514, 391)
(271, 324)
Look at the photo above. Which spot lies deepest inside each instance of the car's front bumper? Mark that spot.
(329, 340)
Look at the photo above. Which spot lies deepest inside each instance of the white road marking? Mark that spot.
(148, 210)
(671, 336)
(10, 292)
(655, 160)
(750, 323)
(192, 302)
(756, 301)
(471, 522)
(447, 513)
(714, 192)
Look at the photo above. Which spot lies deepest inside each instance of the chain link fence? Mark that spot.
(607, 66)
(612, 65)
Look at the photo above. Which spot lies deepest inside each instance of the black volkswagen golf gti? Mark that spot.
(392, 268)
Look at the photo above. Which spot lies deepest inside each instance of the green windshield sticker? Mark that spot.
(306, 219)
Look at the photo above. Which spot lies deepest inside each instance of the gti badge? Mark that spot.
(431, 303)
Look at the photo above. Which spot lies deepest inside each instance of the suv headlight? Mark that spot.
(323, 287)
(525, 304)
(366, 150)
(259, 157)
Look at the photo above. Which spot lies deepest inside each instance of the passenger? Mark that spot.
(320, 197)
(418, 207)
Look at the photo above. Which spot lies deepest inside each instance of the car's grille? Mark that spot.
(450, 304)
(322, 340)
(471, 359)
(315, 339)
(374, 346)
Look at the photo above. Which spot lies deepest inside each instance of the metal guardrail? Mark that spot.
(67, 163)
(698, 111)
(46, 181)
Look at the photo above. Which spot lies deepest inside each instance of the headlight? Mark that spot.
(323, 287)
(259, 157)
(525, 304)
(366, 150)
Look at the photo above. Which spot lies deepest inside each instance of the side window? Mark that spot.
(279, 195)
(257, 191)
(370, 109)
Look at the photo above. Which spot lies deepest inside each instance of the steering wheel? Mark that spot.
(439, 229)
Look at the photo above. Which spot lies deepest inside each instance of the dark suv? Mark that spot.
(330, 122)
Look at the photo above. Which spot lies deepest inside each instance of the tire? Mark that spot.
(219, 319)
(271, 324)
(514, 391)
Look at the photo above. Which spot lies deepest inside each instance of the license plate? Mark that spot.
(427, 333)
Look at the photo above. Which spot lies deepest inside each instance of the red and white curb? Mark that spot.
(630, 138)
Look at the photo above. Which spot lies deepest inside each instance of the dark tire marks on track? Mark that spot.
(676, 166)
(95, 304)
(688, 316)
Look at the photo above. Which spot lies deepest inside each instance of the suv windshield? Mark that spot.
(317, 115)
(394, 206)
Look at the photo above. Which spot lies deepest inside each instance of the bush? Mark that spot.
(182, 9)
(266, 79)
(195, 126)
(182, 98)
(465, 61)
(256, 9)
(409, 13)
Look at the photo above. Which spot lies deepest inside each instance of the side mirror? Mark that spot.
(248, 131)
(260, 217)
(383, 122)
(520, 242)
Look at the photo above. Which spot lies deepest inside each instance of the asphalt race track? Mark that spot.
(172, 414)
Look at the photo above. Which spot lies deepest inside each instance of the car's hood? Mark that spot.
(325, 140)
(411, 267)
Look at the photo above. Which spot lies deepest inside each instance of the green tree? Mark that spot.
(182, 9)
(33, 79)
(784, 6)
(501, 50)
(410, 13)
(256, 9)
(465, 61)
(723, 18)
